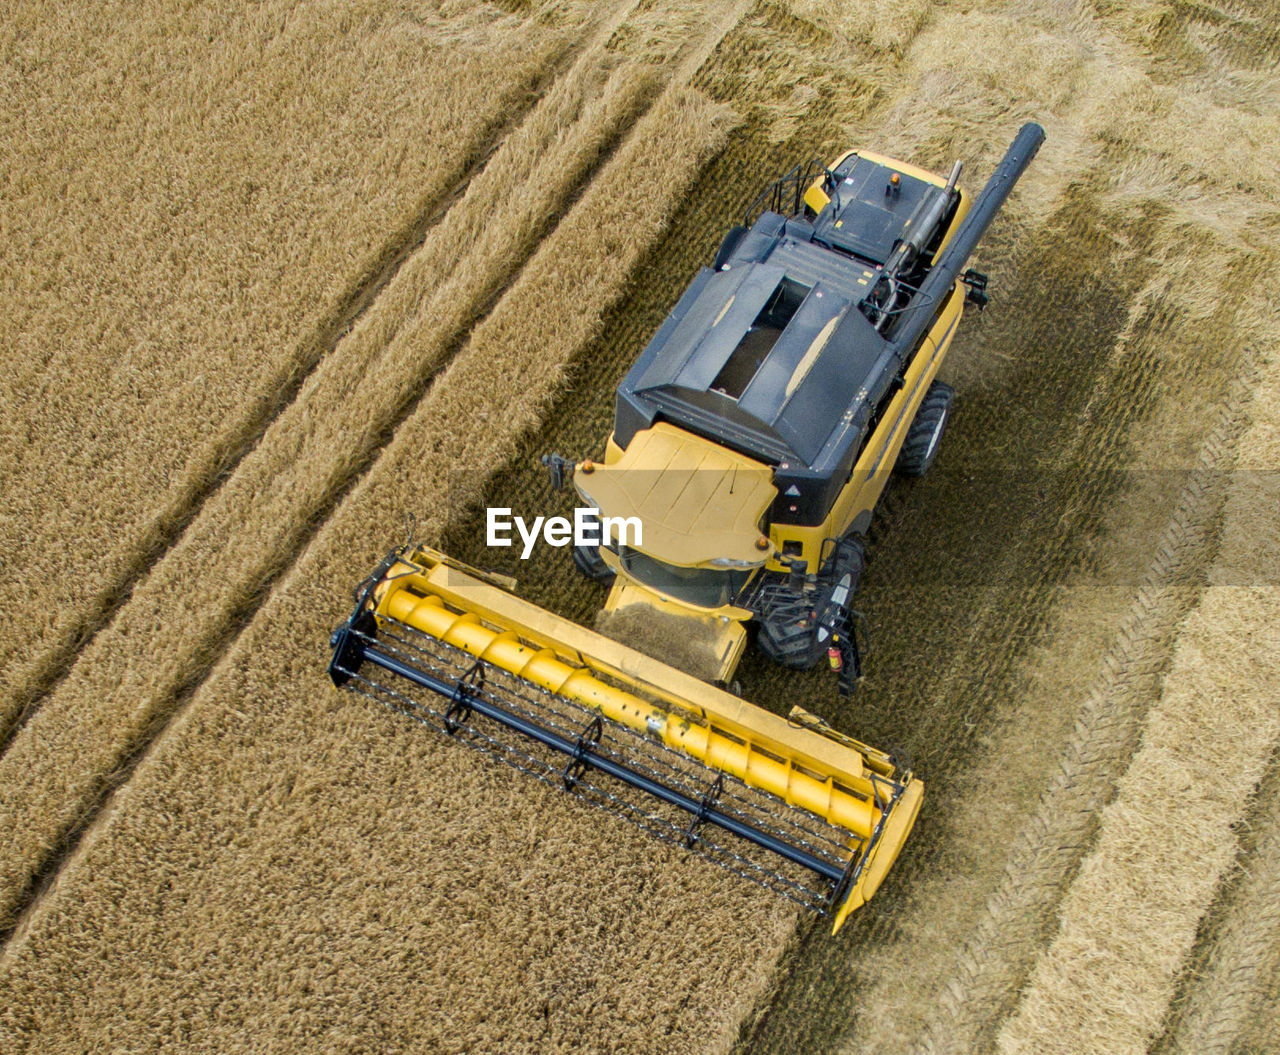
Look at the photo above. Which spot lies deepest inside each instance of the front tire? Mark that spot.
(587, 560)
(796, 631)
(920, 448)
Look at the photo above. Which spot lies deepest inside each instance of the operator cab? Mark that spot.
(869, 207)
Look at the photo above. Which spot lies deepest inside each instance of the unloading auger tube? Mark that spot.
(795, 788)
(942, 276)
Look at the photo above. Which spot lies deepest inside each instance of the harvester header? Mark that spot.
(786, 803)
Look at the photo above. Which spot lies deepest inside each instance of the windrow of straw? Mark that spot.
(195, 201)
(293, 868)
(180, 615)
(1233, 982)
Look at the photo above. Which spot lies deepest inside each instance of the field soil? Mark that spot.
(1073, 614)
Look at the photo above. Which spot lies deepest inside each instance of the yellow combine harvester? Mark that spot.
(752, 440)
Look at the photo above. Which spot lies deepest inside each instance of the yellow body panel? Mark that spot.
(816, 198)
(846, 783)
(697, 501)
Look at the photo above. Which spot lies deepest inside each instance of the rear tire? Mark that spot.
(920, 448)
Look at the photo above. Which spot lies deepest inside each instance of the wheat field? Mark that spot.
(180, 256)
(277, 281)
(108, 701)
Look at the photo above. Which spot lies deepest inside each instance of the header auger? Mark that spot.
(752, 440)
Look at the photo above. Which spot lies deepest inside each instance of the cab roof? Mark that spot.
(866, 214)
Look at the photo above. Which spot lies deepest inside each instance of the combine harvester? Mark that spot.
(752, 440)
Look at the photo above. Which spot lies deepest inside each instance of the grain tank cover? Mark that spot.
(698, 501)
(769, 355)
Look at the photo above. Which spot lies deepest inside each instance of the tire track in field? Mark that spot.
(282, 464)
(118, 708)
(265, 849)
(1164, 842)
(30, 685)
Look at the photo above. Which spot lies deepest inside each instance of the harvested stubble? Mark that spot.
(254, 524)
(292, 868)
(1182, 120)
(1166, 839)
(195, 201)
(939, 973)
(882, 24)
(978, 978)
(1182, 272)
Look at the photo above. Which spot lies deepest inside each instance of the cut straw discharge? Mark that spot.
(289, 866)
(180, 615)
(1128, 921)
(195, 203)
